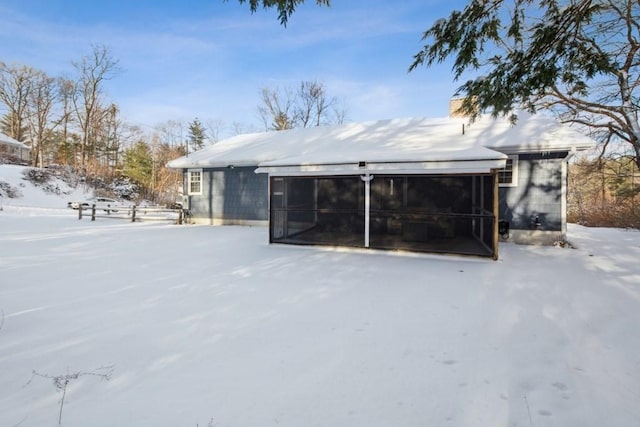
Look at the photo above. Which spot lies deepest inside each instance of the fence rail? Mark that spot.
(134, 213)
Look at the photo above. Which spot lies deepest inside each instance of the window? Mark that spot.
(194, 181)
(508, 176)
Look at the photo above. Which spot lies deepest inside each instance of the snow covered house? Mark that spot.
(433, 185)
(13, 150)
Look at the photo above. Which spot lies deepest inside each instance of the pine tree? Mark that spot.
(197, 135)
(578, 58)
(285, 7)
(138, 164)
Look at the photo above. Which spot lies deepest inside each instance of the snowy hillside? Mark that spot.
(146, 324)
(17, 191)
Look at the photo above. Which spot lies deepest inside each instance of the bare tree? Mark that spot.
(165, 182)
(307, 106)
(112, 139)
(239, 128)
(213, 128)
(41, 103)
(276, 109)
(93, 71)
(313, 105)
(66, 90)
(15, 86)
(171, 133)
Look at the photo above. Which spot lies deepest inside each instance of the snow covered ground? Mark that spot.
(201, 325)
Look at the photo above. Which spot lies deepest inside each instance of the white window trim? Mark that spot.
(514, 172)
(189, 192)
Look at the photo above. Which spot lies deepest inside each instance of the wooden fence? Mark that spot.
(134, 213)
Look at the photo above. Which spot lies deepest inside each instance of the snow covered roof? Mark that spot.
(398, 142)
(7, 140)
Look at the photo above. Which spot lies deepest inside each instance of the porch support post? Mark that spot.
(367, 205)
(496, 214)
(563, 199)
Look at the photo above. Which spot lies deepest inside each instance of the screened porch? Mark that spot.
(430, 213)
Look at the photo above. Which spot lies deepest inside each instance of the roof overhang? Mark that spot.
(448, 167)
(7, 140)
(398, 141)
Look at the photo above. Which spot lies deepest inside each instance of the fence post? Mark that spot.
(93, 212)
(180, 217)
(133, 214)
(79, 210)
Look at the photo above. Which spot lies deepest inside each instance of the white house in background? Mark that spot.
(13, 150)
(435, 185)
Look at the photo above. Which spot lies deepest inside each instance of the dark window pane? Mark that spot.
(505, 175)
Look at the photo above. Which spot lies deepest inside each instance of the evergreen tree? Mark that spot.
(197, 135)
(578, 58)
(285, 7)
(138, 164)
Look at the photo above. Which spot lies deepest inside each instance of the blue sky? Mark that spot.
(209, 58)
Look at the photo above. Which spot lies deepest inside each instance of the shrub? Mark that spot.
(42, 178)
(604, 193)
(36, 176)
(6, 190)
(124, 188)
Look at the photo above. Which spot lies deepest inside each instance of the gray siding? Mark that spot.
(234, 195)
(538, 193)
(231, 194)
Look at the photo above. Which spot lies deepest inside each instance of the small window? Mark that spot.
(194, 181)
(508, 176)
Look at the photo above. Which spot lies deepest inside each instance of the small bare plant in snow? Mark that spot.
(62, 381)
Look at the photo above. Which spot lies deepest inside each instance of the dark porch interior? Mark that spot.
(444, 214)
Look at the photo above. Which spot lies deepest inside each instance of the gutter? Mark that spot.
(572, 154)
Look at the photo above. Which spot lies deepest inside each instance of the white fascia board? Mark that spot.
(304, 170)
(544, 147)
(180, 164)
(387, 168)
(452, 166)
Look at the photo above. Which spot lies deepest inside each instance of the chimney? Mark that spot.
(455, 108)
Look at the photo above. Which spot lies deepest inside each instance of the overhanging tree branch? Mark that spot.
(579, 58)
(285, 7)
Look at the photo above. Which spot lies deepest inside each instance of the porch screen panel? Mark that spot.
(277, 213)
(320, 210)
(489, 219)
(483, 225)
(430, 213)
